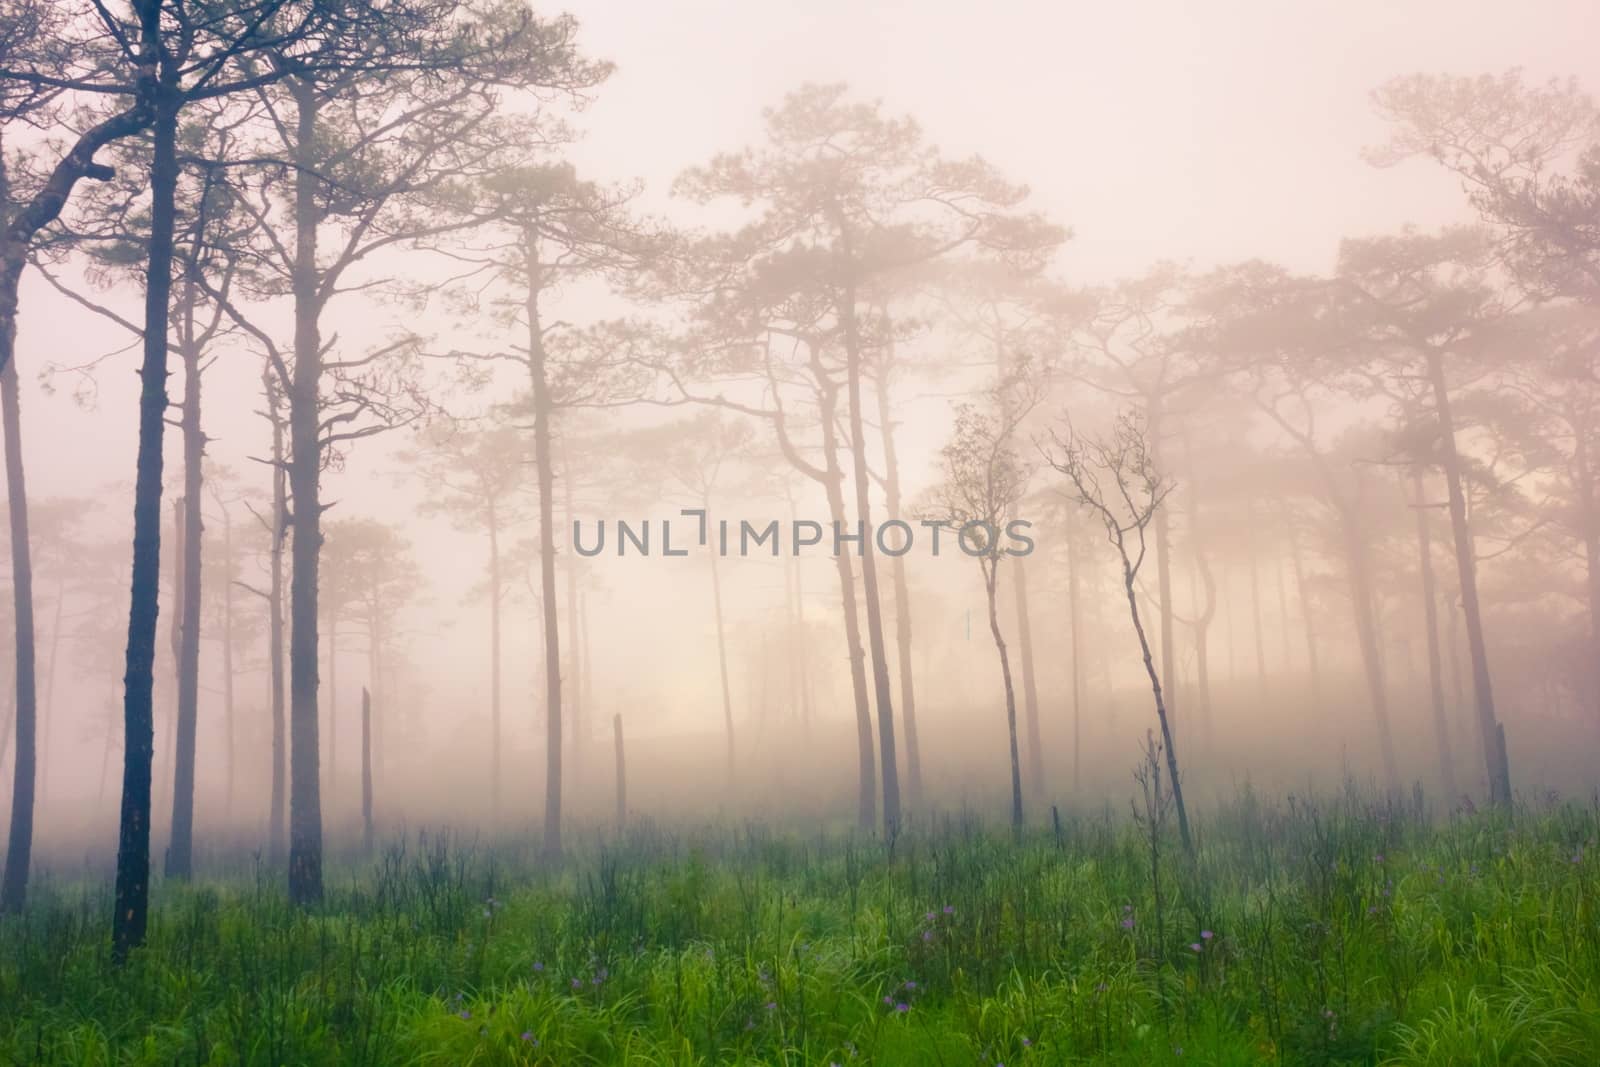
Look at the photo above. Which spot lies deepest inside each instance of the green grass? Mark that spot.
(1343, 932)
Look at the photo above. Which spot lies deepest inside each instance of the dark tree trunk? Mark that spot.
(276, 841)
(869, 568)
(133, 835)
(542, 412)
(19, 848)
(180, 850)
(1430, 619)
(1494, 747)
(305, 491)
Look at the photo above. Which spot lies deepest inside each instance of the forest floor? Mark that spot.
(1336, 931)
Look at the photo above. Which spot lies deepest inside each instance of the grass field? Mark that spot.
(1336, 931)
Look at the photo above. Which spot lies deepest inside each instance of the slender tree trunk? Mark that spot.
(493, 517)
(902, 591)
(366, 769)
(575, 702)
(869, 567)
(867, 800)
(722, 657)
(227, 653)
(276, 841)
(19, 847)
(542, 413)
(989, 582)
(133, 835)
(1430, 618)
(180, 850)
(1030, 688)
(1361, 601)
(1075, 623)
(1161, 706)
(305, 490)
(1204, 613)
(331, 771)
(47, 710)
(1163, 529)
(1494, 740)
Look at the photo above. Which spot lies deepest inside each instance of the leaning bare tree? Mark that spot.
(983, 480)
(1115, 477)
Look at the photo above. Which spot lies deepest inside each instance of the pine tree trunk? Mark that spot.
(133, 834)
(180, 850)
(1466, 565)
(902, 591)
(1430, 619)
(305, 491)
(869, 568)
(867, 800)
(19, 847)
(542, 413)
(277, 844)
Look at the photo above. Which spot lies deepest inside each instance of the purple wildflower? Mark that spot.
(1206, 935)
(902, 1007)
(1195, 946)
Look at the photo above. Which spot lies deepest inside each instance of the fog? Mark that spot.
(1214, 165)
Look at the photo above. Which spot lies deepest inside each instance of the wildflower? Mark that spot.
(1194, 946)
(910, 984)
(527, 1035)
(1206, 935)
(949, 909)
(772, 1005)
(464, 1014)
(1127, 924)
(577, 983)
(537, 966)
(1027, 1043)
(929, 917)
(927, 935)
(887, 999)
(902, 1007)
(1378, 858)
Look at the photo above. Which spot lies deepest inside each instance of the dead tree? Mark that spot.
(1126, 507)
